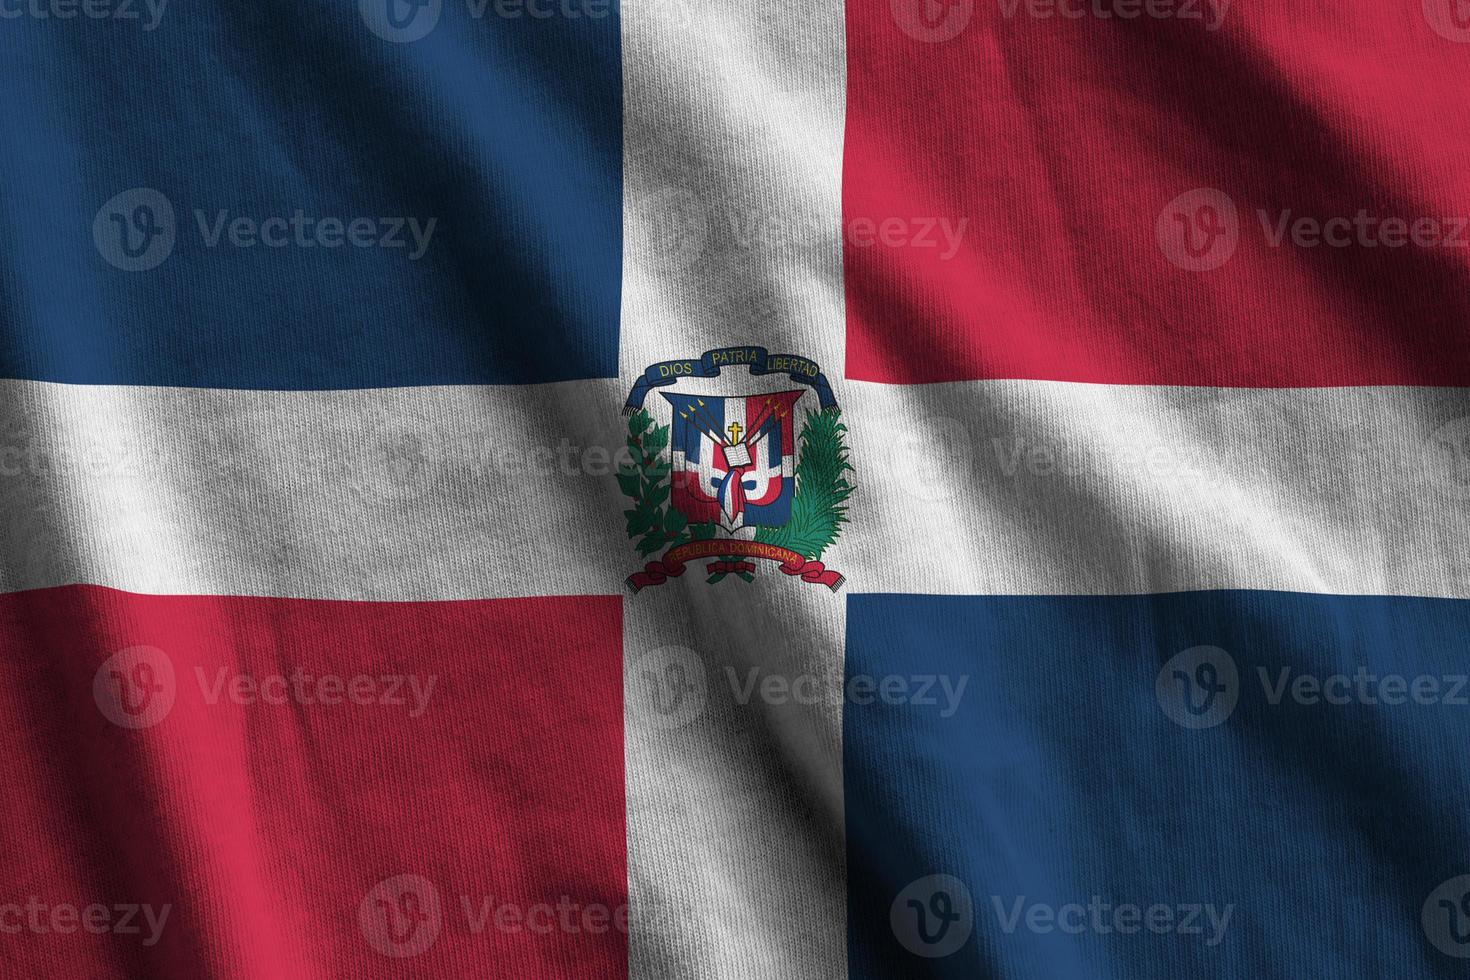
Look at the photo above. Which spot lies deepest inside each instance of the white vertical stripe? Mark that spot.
(733, 171)
(734, 778)
(733, 126)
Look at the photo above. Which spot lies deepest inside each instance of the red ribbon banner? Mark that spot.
(673, 563)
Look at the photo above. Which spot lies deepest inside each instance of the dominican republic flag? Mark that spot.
(733, 459)
(416, 559)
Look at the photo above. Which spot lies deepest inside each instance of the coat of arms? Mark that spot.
(731, 467)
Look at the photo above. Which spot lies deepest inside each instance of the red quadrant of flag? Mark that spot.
(1121, 200)
(314, 788)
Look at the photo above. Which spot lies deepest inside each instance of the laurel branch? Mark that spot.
(822, 488)
(645, 481)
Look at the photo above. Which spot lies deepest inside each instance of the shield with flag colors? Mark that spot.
(734, 459)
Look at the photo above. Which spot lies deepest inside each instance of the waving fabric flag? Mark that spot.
(564, 488)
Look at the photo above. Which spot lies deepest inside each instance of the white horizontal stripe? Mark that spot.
(1003, 487)
(404, 494)
(1017, 487)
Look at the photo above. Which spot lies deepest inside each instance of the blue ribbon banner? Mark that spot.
(799, 369)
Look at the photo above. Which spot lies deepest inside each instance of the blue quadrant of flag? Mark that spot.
(1059, 789)
(303, 168)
